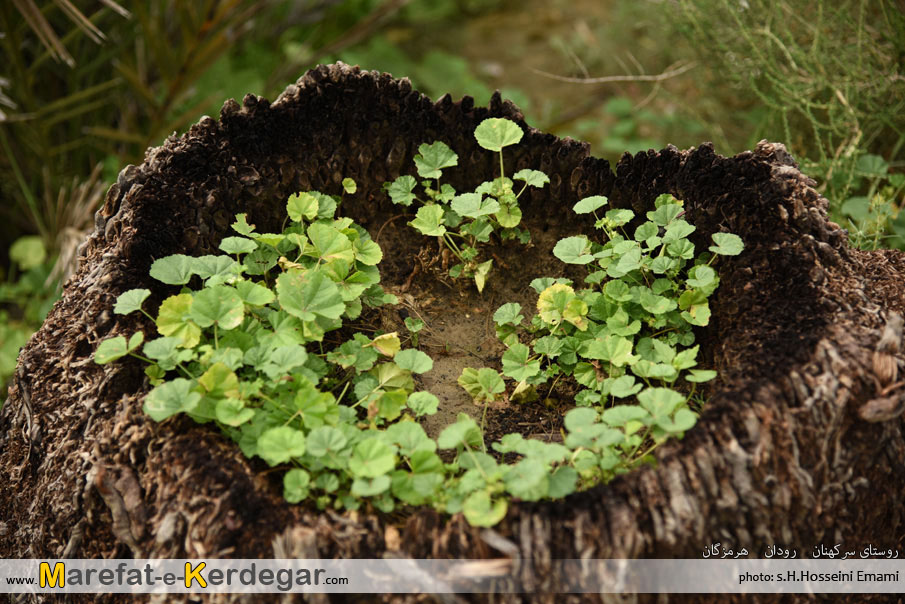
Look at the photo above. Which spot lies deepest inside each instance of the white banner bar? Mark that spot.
(504, 575)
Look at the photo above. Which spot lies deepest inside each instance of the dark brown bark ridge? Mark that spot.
(802, 443)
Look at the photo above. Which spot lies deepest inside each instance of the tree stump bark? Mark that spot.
(801, 443)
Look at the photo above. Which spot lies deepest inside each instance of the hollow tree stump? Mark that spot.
(801, 443)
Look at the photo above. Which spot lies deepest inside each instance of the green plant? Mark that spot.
(249, 351)
(414, 327)
(254, 348)
(628, 333)
(826, 78)
(26, 297)
(875, 219)
(463, 221)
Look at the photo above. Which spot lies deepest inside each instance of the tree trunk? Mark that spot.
(801, 442)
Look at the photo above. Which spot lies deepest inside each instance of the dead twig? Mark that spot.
(672, 71)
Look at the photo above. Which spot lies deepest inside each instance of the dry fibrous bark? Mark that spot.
(801, 442)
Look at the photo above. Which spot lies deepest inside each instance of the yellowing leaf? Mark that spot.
(388, 344)
(172, 320)
(220, 382)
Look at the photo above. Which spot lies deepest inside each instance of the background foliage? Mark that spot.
(86, 86)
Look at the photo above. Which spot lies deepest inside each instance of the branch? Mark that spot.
(672, 71)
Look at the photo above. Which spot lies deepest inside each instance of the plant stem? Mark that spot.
(145, 359)
(483, 418)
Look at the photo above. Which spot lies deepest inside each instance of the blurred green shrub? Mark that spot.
(826, 78)
(25, 299)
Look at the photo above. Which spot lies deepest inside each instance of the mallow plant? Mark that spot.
(465, 222)
(251, 344)
(624, 339)
(247, 344)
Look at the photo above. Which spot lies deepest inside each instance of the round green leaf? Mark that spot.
(428, 220)
(173, 270)
(295, 485)
(509, 216)
(326, 440)
(162, 348)
(682, 421)
(701, 276)
(222, 268)
(349, 186)
(677, 229)
(170, 398)
(410, 437)
(254, 294)
(363, 487)
(130, 301)
(727, 244)
(367, 252)
(482, 384)
(495, 133)
(509, 313)
(579, 417)
(617, 290)
(615, 349)
(219, 305)
(590, 204)
(431, 159)
(563, 482)
(574, 250)
(464, 432)
(238, 245)
(233, 412)
(700, 375)
(619, 217)
(110, 350)
(414, 360)
(527, 479)
(624, 386)
(219, 381)
(681, 248)
(665, 214)
(857, 208)
(660, 402)
(309, 295)
(302, 206)
(423, 403)
(473, 205)
(516, 363)
(371, 458)
(532, 178)
(173, 320)
(646, 231)
(620, 415)
(400, 190)
(697, 314)
(654, 304)
(278, 445)
(330, 243)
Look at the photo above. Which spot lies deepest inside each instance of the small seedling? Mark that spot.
(414, 326)
(463, 222)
